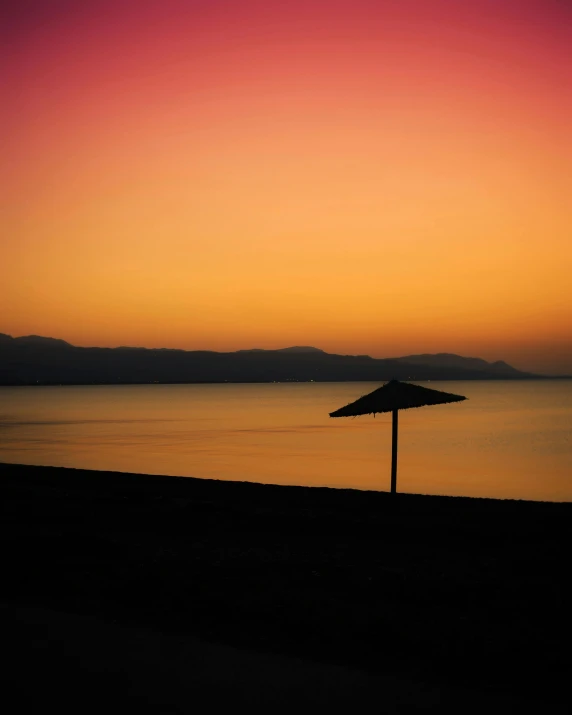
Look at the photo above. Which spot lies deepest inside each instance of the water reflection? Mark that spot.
(510, 439)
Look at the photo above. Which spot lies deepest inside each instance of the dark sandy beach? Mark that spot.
(161, 594)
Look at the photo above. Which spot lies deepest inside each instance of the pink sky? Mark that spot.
(368, 177)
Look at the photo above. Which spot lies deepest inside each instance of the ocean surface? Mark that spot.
(510, 439)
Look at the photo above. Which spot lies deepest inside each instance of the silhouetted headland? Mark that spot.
(457, 593)
(34, 360)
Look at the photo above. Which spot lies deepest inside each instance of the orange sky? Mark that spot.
(382, 177)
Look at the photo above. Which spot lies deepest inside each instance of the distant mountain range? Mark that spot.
(35, 360)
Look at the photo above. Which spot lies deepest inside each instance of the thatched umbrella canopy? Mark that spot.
(391, 397)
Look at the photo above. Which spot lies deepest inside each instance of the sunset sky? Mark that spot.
(367, 176)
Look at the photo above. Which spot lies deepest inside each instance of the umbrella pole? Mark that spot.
(394, 453)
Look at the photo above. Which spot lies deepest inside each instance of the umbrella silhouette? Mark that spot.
(392, 397)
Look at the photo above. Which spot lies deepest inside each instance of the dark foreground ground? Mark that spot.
(149, 594)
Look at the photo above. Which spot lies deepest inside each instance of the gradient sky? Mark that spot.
(374, 176)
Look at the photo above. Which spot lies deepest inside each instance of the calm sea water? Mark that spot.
(510, 439)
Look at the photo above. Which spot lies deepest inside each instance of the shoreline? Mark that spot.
(205, 484)
(458, 591)
(489, 378)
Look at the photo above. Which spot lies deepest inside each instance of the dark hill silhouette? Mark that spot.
(35, 340)
(456, 361)
(301, 349)
(33, 360)
(293, 349)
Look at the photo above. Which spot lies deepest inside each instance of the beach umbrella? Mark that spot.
(392, 397)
